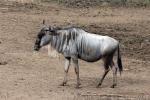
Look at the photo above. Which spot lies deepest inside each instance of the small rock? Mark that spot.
(147, 41)
(15, 84)
(21, 79)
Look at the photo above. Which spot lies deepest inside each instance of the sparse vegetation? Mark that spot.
(87, 3)
(92, 3)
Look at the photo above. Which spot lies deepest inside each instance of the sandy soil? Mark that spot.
(29, 75)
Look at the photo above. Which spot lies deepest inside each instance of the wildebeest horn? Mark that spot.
(43, 21)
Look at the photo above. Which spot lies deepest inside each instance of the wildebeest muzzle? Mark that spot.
(37, 45)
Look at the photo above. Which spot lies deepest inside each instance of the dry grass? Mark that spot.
(21, 1)
(92, 3)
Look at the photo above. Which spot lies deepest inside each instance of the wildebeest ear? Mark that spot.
(51, 29)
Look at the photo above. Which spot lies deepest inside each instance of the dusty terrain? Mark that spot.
(29, 75)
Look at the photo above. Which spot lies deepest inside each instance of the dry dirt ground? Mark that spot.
(29, 75)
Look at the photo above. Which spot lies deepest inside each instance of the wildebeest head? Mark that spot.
(43, 37)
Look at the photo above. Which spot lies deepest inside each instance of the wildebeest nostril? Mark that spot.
(36, 48)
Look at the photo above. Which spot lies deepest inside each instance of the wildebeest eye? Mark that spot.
(40, 35)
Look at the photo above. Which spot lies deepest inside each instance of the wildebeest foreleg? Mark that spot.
(66, 69)
(75, 62)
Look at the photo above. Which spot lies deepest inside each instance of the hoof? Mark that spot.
(78, 86)
(113, 86)
(98, 85)
(63, 84)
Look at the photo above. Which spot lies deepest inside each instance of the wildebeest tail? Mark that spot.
(119, 61)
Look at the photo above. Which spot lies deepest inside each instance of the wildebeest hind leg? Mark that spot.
(106, 66)
(114, 69)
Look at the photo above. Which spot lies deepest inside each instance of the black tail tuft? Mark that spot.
(119, 62)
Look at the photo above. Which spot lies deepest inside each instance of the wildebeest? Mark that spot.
(75, 43)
